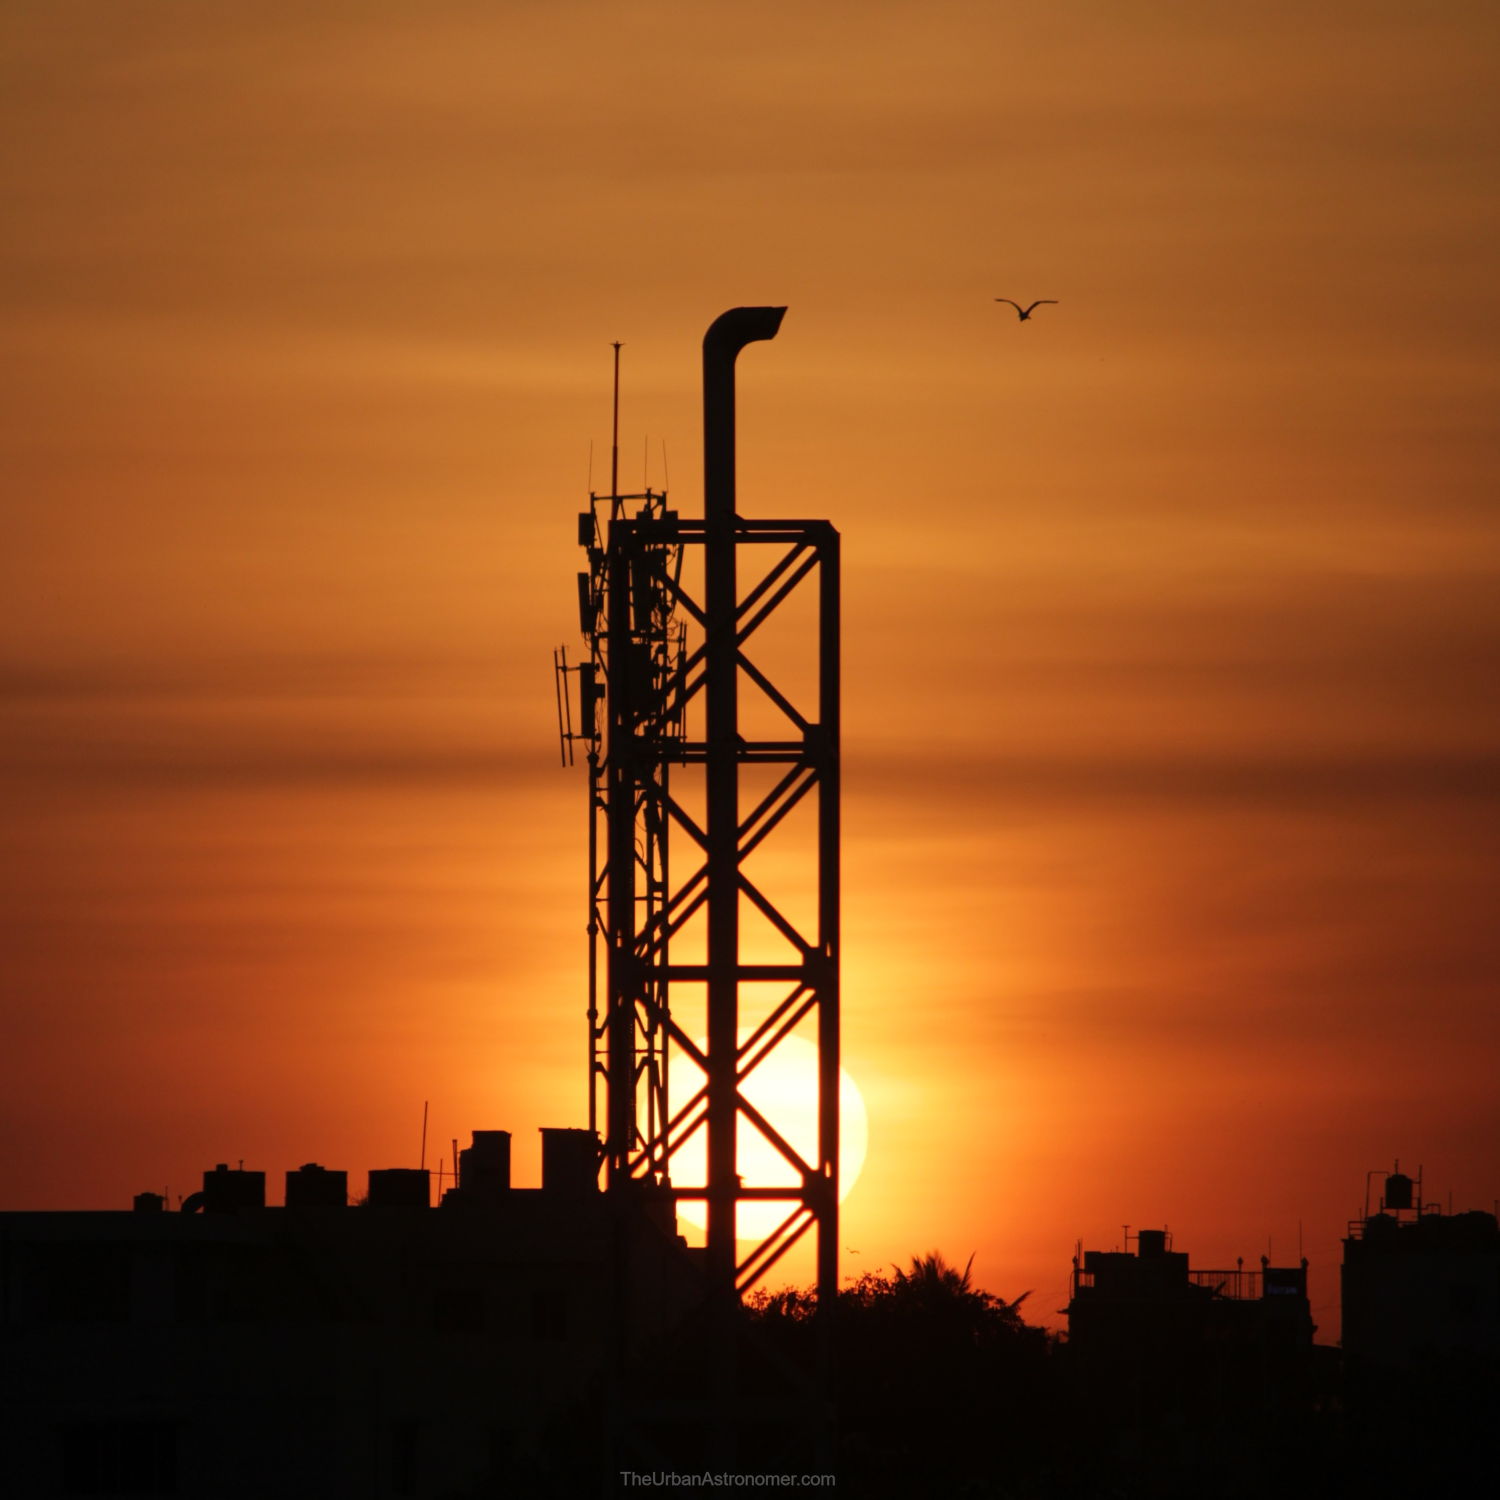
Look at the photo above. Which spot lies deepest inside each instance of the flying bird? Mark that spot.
(1026, 312)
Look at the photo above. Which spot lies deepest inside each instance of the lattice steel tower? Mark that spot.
(671, 639)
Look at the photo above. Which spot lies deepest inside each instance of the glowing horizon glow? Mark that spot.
(784, 1088)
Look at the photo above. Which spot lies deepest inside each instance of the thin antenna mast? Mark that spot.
(614, 459)
(422, 1164)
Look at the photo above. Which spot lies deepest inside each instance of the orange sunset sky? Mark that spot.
(1171, 621)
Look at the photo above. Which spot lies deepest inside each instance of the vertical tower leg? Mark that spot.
(828, 963)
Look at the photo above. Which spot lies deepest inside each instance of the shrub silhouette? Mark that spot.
(942, 1389)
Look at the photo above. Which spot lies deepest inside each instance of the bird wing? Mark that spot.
(1015, 305)
(1042, 302)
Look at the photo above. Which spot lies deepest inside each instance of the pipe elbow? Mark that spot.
(732, 330)
(726, 336)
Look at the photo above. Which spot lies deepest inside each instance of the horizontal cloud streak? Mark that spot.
(1330, 782)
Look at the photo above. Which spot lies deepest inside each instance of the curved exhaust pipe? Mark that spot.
(726, 336)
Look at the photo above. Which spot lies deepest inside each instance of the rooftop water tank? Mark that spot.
(312, 1186)
(484, 1167)
(226, 1189)
(400, 1187)
(570, 1161)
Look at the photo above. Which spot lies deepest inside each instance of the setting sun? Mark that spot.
(784, 1088)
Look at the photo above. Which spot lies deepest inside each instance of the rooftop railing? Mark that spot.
(1237, 1285)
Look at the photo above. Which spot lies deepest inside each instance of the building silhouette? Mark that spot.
(1159, 1347)
(319, 1348)
(1417, 1283)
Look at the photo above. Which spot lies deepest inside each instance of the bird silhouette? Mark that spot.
(1026, 312)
